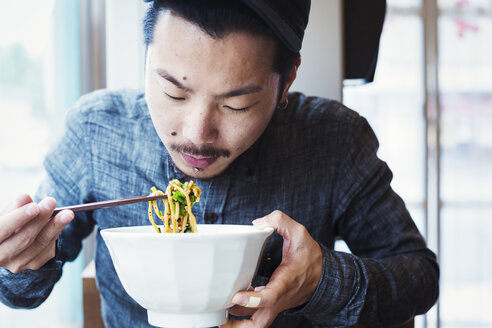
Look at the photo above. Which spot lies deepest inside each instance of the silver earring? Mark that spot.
(283, 105)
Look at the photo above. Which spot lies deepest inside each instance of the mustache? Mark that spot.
(205, 151)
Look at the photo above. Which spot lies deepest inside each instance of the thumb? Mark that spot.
(280, 222)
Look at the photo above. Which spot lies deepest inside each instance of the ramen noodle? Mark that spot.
(177, 217)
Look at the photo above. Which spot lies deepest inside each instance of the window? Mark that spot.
(39, 80)
(465, 68)
(439, 144)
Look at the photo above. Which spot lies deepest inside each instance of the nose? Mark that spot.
(200, 126)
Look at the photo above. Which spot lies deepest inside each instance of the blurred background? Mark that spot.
(430, 105)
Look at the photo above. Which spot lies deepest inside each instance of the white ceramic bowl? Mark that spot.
(186, 280)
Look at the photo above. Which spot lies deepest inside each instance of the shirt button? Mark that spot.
(211, 217)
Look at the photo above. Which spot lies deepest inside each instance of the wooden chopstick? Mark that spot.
(108, 203)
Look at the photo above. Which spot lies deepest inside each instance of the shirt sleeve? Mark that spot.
(391, 275)
(68, 181)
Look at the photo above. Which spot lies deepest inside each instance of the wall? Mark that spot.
(320, 73)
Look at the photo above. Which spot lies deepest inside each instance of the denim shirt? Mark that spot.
(316, 162)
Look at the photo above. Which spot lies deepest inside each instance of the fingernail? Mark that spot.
(32, 209)
(66, 217)
(257, 289)
(260, 223)
(48, 204)
(240, 299)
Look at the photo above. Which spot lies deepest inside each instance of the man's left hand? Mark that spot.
(293, 282)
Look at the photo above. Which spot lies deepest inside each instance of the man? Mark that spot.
(216, 109)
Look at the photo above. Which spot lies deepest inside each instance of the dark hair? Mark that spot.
(218, 18)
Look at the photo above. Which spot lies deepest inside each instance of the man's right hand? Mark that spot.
(28, 235)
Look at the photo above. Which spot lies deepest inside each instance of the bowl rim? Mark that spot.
(248, 229)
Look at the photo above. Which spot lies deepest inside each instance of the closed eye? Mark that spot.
(174, 98)
(242, 109)
(238, 109)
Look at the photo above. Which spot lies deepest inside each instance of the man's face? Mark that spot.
(216, 95)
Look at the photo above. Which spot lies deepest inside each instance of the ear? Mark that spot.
(290, 79)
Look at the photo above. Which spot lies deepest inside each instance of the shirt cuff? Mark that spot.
(29, 288)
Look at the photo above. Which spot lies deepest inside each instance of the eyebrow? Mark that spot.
(240, 92)
(229, 94)
(165, 75)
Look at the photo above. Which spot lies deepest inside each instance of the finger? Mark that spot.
(261, 319)
(47, 254)
(283, 285)
(27, 233)
(16, 219)
(241, 311)
(52, 230)
(264, 297)
(264, 317)
(228, 324)
(21, 200)
(261, 296)
(31, 259)
(232, 323)
(42, 249)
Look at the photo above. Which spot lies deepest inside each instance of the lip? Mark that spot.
(201, 163)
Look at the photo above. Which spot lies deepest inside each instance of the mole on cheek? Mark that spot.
(184, 77)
